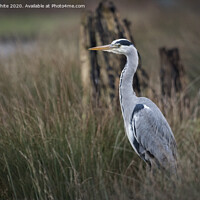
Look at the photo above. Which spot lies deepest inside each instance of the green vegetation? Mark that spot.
(29, 25)
(53, 146)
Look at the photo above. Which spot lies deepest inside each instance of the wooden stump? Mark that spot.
(173, 82)
(172, 72)
(100, 71)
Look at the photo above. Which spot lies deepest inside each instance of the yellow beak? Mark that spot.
(105, 47)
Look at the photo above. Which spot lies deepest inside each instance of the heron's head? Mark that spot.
(119, 46)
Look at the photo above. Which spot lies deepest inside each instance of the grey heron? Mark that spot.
(146, 127)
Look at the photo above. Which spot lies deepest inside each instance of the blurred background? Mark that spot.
(53, 146)
(155, 23)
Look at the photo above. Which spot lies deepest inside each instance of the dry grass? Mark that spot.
(54, 147)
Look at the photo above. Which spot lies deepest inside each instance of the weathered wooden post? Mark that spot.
(173, 81)
(100, 71)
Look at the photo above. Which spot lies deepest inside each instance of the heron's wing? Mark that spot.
(153, 133)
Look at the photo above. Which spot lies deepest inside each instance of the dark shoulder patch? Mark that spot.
(124, 42)
(137, 108)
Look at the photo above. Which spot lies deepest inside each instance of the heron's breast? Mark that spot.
(131, 138)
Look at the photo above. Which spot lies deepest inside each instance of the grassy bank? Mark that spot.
(54, 147)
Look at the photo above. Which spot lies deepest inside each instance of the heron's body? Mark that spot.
(147, 129)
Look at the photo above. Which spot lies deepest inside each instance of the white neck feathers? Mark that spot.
(126, 92)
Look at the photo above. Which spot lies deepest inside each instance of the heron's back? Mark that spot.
(150, 134)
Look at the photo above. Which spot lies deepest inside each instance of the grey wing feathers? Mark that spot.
(153, 133)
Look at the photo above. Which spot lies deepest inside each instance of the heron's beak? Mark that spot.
(103, 48)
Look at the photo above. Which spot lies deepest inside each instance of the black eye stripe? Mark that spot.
(124, 42)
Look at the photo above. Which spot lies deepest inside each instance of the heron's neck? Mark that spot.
(126, 92)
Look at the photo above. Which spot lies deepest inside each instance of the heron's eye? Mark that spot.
(118, 45)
